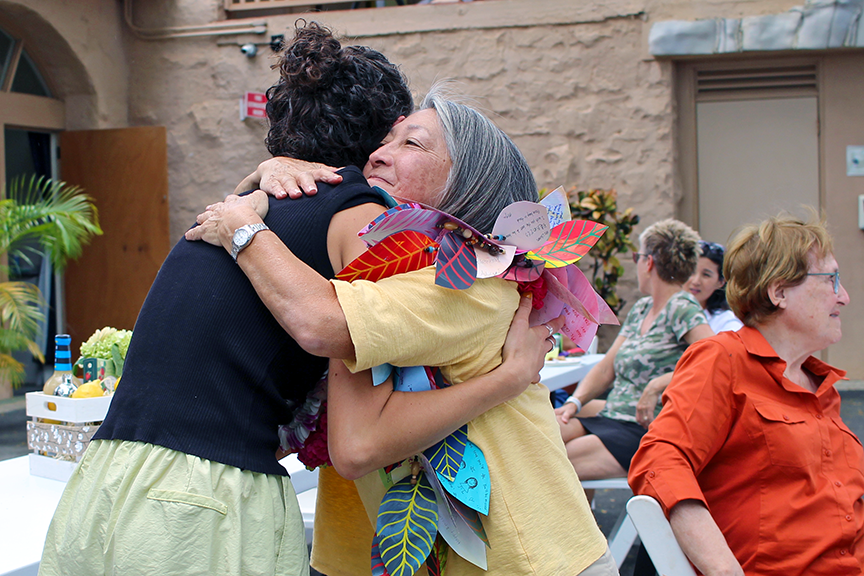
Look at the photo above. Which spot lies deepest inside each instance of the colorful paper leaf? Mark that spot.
(437, 561)
(402, 217)
(525, 271)
(456, 263)
(378, 568)
(568, 243)
(407, 525)
(460, 537)
(402, 252)
(446, 455)
(471, 518)
(471, 485)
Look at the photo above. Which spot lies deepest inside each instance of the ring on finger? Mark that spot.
(549, 328)
(551, 341)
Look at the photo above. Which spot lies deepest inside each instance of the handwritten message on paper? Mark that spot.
(471, 484)
(452, 527)
(557, 206)
(489, 265)
(524, 225)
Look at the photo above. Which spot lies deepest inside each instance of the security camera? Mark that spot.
(249, 50)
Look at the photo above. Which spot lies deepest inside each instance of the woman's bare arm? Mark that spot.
(598, 380)
(701, 540)
(302, 301)
(373, 426)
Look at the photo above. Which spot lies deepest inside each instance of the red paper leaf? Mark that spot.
(568, 243)
(401, 252)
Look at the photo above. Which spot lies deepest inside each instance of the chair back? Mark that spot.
(656, 534)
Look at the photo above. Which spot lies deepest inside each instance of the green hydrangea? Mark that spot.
(100, 343)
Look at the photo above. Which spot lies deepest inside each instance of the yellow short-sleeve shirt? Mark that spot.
(406, 320)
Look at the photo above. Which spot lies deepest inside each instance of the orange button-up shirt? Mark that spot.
(774, 463)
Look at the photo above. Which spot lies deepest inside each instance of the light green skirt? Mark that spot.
(135, 508)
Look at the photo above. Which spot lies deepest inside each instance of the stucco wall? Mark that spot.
(578, 98)
(79, 46)
(572, 83)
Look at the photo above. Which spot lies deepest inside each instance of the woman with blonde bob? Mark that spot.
(749, 456)
(638, 366)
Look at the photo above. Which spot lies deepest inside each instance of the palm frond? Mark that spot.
(11, 369)
(57, 215)
(20, 307)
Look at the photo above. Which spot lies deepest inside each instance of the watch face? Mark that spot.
(241, 236)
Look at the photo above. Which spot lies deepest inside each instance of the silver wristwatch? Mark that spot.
(243, 236)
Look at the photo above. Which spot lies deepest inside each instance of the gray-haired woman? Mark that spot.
(406, 320)
(639, 365)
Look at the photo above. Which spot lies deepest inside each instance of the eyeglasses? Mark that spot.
(836, 276)
(636, 256)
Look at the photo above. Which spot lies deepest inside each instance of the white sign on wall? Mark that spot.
(253, 105)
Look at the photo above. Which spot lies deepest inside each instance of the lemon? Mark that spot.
(88, 390)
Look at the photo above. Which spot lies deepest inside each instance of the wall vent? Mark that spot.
(784, 81)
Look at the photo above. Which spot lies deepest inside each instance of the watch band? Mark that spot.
(243, 237)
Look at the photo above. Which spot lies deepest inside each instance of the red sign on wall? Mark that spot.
(253, 105)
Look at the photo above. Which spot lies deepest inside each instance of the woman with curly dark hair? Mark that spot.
(182, 476)
(328, 96)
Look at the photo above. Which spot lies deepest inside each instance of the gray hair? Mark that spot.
(488, 171)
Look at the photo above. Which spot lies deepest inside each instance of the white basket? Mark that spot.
(51, 468)
(73, 410)
(60, 431)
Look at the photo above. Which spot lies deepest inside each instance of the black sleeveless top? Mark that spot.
(209, 371)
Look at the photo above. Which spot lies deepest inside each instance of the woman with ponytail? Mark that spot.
(639, 365)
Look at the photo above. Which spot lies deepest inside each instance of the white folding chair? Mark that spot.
(656, 534)
(623, 533)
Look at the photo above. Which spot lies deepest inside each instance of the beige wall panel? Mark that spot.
(843, 125)
(756, 158)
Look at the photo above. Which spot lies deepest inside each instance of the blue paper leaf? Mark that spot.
(456, 263)
(446, 455)
(412, 379)
(407, 525)
(378, 568)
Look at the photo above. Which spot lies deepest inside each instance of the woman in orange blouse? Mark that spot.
(749, 456)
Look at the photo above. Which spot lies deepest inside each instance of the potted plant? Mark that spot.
(605, 269)
(37, 214)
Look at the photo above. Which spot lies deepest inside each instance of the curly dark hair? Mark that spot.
(332, 104)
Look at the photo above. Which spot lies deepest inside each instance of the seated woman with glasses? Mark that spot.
(708, 285)
(750, 458)
(639, 365)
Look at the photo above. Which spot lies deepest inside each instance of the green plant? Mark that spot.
(602, 206)
(37, 215)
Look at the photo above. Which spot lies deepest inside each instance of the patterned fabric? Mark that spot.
(644, 357)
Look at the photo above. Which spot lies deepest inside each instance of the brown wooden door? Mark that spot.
(126, 172)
